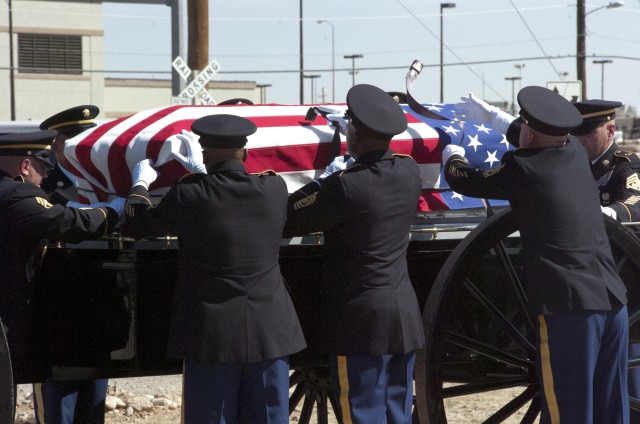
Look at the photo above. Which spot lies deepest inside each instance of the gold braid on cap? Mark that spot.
(64, 124)
(601, 113)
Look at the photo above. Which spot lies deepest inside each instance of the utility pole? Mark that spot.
(198, 17)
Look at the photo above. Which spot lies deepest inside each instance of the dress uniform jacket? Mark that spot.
(26, 218)
(59, 187)
(230, 302)
(617, 174)
(567, 261)
(366, 213)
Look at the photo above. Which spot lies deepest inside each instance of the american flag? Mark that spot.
(286, 142)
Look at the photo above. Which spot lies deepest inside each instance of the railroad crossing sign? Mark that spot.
(197, 87)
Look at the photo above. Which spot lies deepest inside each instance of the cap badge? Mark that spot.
(85, 113)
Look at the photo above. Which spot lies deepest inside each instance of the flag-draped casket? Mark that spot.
(288, 141)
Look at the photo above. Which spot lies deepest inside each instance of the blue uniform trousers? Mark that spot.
(376, 389)
(582, 367)
(70, 402)
(230, 393)
(634, 380)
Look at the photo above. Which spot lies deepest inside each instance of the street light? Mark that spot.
(602, 62)
(333, 61)
(519, 67)
(353, 58)
(581, 40)
(313, 90)
(442, 7)
(513, 98)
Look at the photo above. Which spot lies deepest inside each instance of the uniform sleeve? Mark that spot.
(625, 200)
(495, 183)
(32, 211)
(144, 219)
(315, 207)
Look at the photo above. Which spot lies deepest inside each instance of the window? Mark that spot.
(49, 54)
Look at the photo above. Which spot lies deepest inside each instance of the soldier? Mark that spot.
(569, 275)
(616, 172)
(233, 323)
(61, 401)
(26, 218)
(366, 212)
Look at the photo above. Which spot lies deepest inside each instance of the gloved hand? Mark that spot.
(340, 163)
(144, 174)
(77, 205)
(450, 150)
(474, 109)
(117, 205)
(609, 212)
(193, 162)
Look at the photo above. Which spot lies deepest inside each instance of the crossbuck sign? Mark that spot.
(197, 87)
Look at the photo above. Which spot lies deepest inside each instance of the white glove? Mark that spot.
(117, 205)
(450, 150)
(340, 163)
(609, 212)
(77, 205)
(475, 109)
(338, 121)
(193, 162)
(144, 174)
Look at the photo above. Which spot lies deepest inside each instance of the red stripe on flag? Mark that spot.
(117, 163)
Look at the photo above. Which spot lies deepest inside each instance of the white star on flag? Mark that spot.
(491, 157)
(457, 196)
(474, 142)
(451, 130)
(482, 128)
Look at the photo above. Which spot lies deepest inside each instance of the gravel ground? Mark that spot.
(165, 392)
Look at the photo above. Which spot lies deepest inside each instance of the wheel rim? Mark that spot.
(480, 338)
(310, 386)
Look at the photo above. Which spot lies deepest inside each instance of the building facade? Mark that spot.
(51, 60)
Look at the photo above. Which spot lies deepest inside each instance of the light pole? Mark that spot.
(333, 61)
(442, 7)
(519, 67)
(581, 39)
(301, 59)
(263, 92)
(313, 91)
(602, 63)
(513, 92)
(12, 95)
(353, 58)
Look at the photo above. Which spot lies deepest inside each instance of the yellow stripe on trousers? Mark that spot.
(343, 378)
(39, 401)
(547, 374)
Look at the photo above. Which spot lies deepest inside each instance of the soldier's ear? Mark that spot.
(244, 155)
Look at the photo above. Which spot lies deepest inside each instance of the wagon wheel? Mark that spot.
(310, 385)
(6, 381)
(480, 338)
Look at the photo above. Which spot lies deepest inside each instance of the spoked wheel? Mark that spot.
(480, 350)
(311, 390)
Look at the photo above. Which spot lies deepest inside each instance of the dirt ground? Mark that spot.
(463, 410)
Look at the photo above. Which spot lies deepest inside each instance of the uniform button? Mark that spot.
(59, 183)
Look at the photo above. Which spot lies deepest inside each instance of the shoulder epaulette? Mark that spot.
(266, 172)
(400, 155)
(351, 168)
(184, 177)
(623, 155)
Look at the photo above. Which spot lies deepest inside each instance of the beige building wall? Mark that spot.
(39, 95)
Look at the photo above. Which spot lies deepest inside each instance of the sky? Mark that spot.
(484, 43)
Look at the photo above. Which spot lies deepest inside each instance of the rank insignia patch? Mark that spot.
(44, 202)
(633, 182)
(307, 201)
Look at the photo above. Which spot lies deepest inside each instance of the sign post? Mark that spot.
(196, 89)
